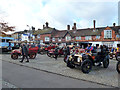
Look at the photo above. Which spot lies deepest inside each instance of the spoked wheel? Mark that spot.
(41, 52)
(14, 56)
(86, 66)
(105, 63)
(65, 59)
(118, 57)
(70, 65)
(32, 56)
(49, 55)
(118, 67)
(53, 56)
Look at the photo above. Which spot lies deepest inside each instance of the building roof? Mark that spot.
(59, 33)
(84, 32)
(48, 30)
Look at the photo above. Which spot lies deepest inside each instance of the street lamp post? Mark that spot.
(29, 33)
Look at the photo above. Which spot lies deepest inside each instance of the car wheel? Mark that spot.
(42, 53)
(118, 67)
(70, 65)
(49, 55)
(65, 59)
(117, 58)
(105, 63)
(32, 56)
(14, 56)
(86, 66)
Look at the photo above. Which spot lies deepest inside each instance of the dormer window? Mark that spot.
(68, 38)
(107, 34)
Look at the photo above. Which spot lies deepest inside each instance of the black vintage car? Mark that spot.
(87, 60)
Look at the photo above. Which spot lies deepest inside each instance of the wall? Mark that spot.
(42, 37)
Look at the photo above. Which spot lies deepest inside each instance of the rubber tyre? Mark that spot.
(65, 59)
(41, 53)
(32, 56)
(14, 56)
(117, 58)
(118, 67)
(70, 65)
(48, 54)
(86, 66)
(105, 63)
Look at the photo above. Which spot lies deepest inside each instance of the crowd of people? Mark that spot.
(67, 50)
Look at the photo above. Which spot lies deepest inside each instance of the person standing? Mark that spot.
(24, 53)
(56, 53)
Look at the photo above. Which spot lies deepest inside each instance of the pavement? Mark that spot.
(99, 75)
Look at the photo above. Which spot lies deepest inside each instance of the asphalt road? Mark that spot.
(24, 77)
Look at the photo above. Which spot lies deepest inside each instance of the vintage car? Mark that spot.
(31, 53)
(45, 49)
(50, 53)
(74, 51)
(42, 50)
(87, 60)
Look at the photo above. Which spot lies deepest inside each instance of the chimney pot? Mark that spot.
(74, 26)
(114, 24)
(68, 27)
(94, 23)
(43, 26)
(46, 24)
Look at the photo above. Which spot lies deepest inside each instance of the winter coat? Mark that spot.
(56, 51)
(24, 50)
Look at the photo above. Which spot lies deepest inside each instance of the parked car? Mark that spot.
(51, 53)
(87, 60)
(42, 50)
(73, 51)
(31, 53)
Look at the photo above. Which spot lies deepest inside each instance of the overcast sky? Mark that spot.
(59, 13)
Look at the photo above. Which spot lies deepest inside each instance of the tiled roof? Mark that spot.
(84, 32)
(59, 33)
(44, 31)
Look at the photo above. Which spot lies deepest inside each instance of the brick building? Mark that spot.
(44, 35)
(109, 36)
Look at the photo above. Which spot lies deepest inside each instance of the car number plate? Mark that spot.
(78, 59)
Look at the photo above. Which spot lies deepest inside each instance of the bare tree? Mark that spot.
(3, 25)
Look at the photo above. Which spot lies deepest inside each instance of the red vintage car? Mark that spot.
(31, 53)
(50, 47)
(50, 53)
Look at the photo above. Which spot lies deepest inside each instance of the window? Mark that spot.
(78, 38)
(38, 36)
(7, 40)
(53, 39)
(47, 39)
(119, 31)
(68, 38)
(107, 33)
(59, 39)
(3, 40)
(97, 37)
(88, 38)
